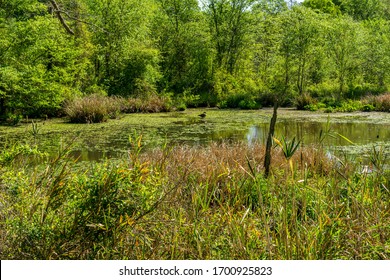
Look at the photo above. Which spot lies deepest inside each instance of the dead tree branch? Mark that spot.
(59, 16)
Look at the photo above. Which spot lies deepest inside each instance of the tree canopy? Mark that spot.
(223, 52)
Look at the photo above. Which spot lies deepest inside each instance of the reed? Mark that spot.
(181, 202)
(92, 109)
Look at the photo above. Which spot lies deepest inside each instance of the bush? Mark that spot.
(323, 89)
(248, 105)
(311, 107)
(350, 106)
(331, 102)
(361, 90)
(241, 101)
(368, 108)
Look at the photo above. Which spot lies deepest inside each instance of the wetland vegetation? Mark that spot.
(105, 152)
(175, 186)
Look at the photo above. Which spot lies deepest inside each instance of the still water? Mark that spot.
(90, 142)
(247, 127)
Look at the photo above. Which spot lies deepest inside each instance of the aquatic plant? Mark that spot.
(288, 148)
(92, 109)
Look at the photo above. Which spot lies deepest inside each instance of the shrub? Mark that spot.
(181, 106)
(311, 107)
(187, 99)
(248, 104)
(330, 102)
(359, 91)
(368, 108)
(323, 89)
(350, 106)
(13, 118)
(239, 100)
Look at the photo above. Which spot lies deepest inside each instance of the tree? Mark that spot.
(229, 21)
(184, 43)
(40, 64)
(324, 6)
(125, 58)
(270, 7)
(304, 30)
(363, 9)
(376, 54)
(343, 47)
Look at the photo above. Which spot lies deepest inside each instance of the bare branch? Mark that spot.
(58, 13)
(82, 21)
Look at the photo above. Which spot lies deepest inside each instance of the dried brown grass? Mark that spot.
(92, 109)
(227, 161)
(380, 102)
(149, 104)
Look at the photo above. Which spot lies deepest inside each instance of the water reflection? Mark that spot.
(309, 132)
(201, 133)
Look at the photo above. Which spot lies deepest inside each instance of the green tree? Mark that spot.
(304, 31)
(270, 7)
(41, 64)
(324, 6)
(376, 54)
(230, 22)
(363, 9)
(343, 45)
(185, 45)
(125, 58)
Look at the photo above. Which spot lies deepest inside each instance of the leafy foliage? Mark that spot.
(234, 53)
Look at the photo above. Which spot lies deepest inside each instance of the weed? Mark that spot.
(288, 149)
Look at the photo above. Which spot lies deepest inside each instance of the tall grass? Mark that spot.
(186, 202)
(380, 102)
(368, 103)
(97, 108)
(148, 104)
(92, 109)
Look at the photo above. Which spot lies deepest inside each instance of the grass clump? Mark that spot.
(97, 109)
(92, 109)
(379, 102)
(304, 102)
(149, 104)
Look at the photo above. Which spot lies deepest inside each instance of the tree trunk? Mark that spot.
(2, 107)
(267, 159)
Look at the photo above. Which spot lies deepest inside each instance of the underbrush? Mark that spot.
(370, 103)
(186, 202)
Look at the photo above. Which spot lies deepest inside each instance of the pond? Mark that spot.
(111, 139)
